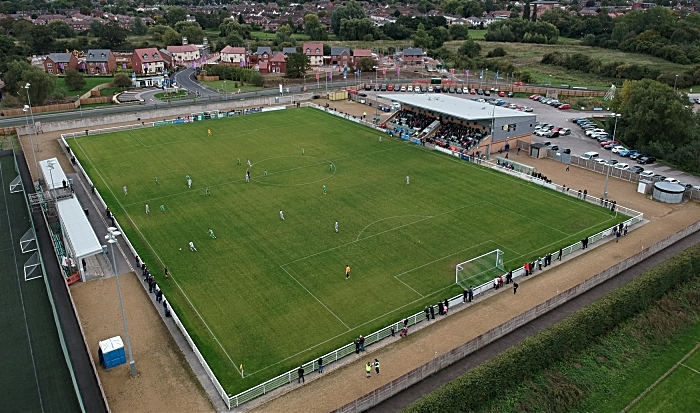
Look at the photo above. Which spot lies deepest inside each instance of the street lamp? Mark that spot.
(111, 237)
(225, 91)
(29, 101)
(607, 171)
(50, 164)
(80, 106)
(674, 83)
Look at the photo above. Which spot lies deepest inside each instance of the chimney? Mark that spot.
(184, 41)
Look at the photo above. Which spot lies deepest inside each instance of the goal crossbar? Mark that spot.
(484, 263)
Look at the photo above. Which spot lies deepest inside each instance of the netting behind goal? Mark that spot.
(479, 270)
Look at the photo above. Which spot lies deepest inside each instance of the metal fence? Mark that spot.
(395, 386)
(338, 354)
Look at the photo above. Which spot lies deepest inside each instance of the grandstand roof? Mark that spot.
(54, 173)
(465, 109)
(77, 229)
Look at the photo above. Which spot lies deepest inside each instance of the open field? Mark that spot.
(230, 86)
(35, 375)
(247, 294)
(90, 82)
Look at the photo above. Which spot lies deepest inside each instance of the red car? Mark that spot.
(390, 88)
(606, 143)
(472, 92)
(502, 94)
(534, 96)
(565, 106)
(556, 130)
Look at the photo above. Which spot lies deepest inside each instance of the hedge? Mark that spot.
(570, 335)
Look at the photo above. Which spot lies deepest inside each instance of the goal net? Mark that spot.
(479, 270)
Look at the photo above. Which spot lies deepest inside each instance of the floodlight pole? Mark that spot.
(29, 101)
(50, 165)
(112, 239)
(26, 120)
(493, 128)
(607, 170)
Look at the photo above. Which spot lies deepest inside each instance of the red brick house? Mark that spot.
(57, 63)
(413, 56)
(262, 59)
(148, 61)
(278, 63)
(341, 56)
(100, 61)
(358, 54)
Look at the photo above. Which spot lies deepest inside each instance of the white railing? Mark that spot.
(338, 354)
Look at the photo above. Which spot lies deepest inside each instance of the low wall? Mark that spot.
(414, 376)
(40, 109)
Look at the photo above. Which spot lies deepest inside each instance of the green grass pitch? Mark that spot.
(271, 294)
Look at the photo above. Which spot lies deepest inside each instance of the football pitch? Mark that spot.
(270, 293)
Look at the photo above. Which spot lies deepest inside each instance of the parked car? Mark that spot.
(480, 92)
(554, 147)
(627, 153)
(672, 180)
(659, 177)
(390, 88)
(591, 131)
(637, 155)
(397, 88)
(438, 89)
(458, 91)
(527, 109)
(551, 134)
(566, 150)
(430, 89)
(564, 106)
(423, 88)
(487, 93)
(510, 94)
(362, 95)
(534, 96)
(647, 174)
(590, 155)
(410, 88)
(565, 131)
(617, 148)
(368, 86)
(623, 166)
(377, 87)
(609, 143)
(452, 89)
(502, 94)
(513, 106)
(403, 88)
(644, 160)
(472, 92)
(636, 169)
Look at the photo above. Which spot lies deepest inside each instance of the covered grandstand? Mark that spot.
(457, 122)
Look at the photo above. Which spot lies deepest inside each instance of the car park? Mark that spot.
(644, 160)
(636, 169)
(647, 174)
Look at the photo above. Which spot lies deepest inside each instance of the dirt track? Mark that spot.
(167, 383)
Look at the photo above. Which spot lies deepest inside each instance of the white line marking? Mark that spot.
(690, 368)
(311, 294)
(660, 379)
(172, 276)
(134, 136)
(377, 234)
(395, 216)
(19, 287)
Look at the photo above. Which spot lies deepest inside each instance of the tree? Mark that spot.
(121, 80)
(366, 64)
(534, 13)
(298, 64)
(139, 28)
(41, 39)
(314, 29)
(61, 29)
(452, 7)
(422, 39)
(191, 30)
(20, 73)
(176, 14)
(459, 31)
(526, 10)
(108, 35)
(352, 10)
(74, 80)
(470, 48)
(473, 8)
(171, 37)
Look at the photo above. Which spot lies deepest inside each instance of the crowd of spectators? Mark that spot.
(413, 120)
(457, 135)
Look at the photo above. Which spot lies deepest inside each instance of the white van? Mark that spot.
(590, 155)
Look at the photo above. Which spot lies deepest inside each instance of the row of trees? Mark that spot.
(235, 73)
(658, 120)
(522, 31)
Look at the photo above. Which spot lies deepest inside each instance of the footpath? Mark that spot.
(337, 387)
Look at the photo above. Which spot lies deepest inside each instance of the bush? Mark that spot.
(74, 80)
(497, 52)
(572, 334)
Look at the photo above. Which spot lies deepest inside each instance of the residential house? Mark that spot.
(278, 63)
(233, 55)
(262, 59)
(100, 61)
(358, 54)
(544, 5)
(148, 61)
(56, 63)
(413, 56)
(340, 56)
(315, 53)
(185, 53)
(289, 50)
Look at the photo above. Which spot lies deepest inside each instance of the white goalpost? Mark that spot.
(483, 267)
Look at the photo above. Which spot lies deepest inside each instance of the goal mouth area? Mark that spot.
(479, 270)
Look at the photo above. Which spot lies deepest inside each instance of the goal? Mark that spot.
(481, 269)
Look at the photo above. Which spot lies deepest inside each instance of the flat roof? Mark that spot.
(465, 109)
(77, 229)
(56, 173)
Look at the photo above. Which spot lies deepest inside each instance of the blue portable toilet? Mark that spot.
(111, 352)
